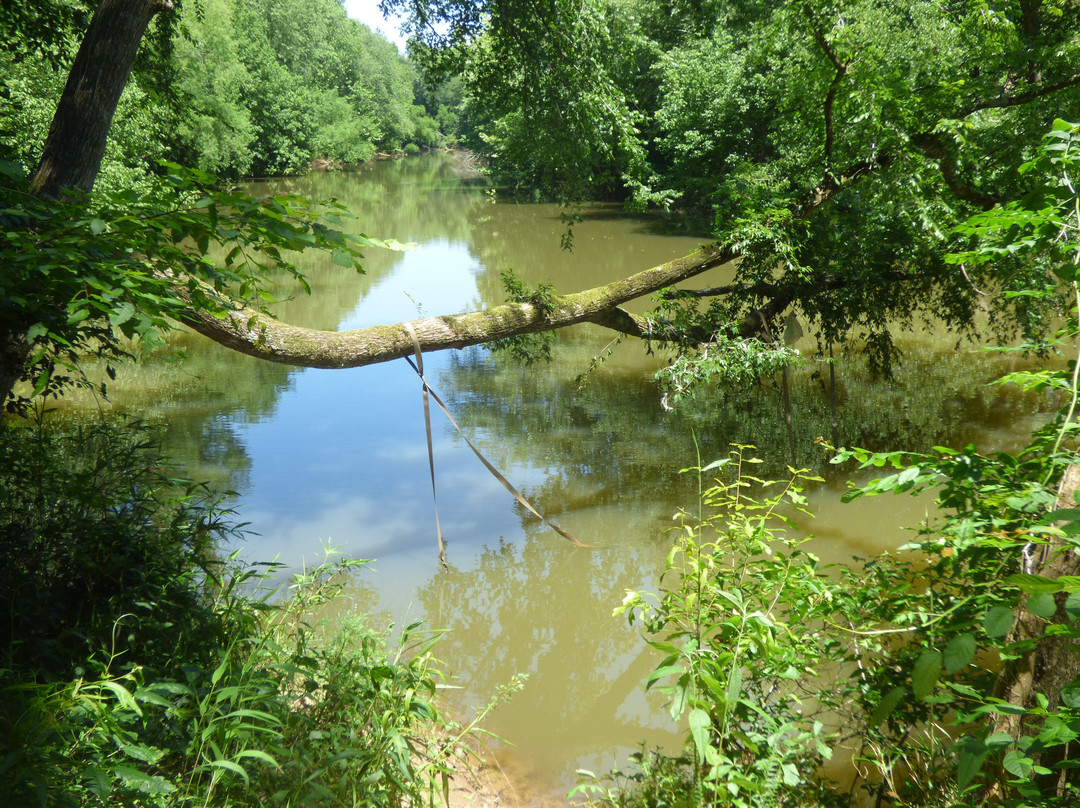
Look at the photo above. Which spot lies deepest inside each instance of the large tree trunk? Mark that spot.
(1053, 662)
(75, 146)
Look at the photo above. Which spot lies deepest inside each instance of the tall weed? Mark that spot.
(734, 622)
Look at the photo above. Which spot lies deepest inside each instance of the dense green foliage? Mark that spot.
(889, 122)
(140, 669)
(91, 277)
(730, 630)
(953, 674)
(228, 86)
(778, 663)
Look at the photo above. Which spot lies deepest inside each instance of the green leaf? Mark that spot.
(35, 331)
(713, 686)
(660, 673)
(717, 464)
(666, 647)
(342, 257)
(259, 754)
(908, 475)
(97, 781)
(925, 674)
(972, 755)
(998, 621)
(1072, 605)
(680, 696)
(1042, 604)
(123, 695)
(998, 739)
(1055, 731)
(229, 765)
(959, 652)
(97, 226)
(1018, 764)
(1033, 583)
(146, 783)
(734, 685)
(886, 706)
(1070, 696)
(121, 314)
(790, 774)
(699, 731)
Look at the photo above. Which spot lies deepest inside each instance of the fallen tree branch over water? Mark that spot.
(253, 333)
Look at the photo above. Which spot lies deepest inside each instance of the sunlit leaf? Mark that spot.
(660, 673)
(1033, 583)
(140, 780)
(1072, 605)
(959, 652)
(734, 685)
(998, 621)
(342, 257)
(1042, 604)
(1070, 696)
(925, 674)
(699, 731)
(1017, 763)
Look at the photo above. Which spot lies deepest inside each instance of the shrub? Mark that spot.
(143, 670)
(733, 621)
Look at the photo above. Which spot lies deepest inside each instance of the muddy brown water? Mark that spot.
(338, 458)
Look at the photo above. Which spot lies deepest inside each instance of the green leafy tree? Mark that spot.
(843, 209)
(1001, 565)
(834, 146)
(216, 133)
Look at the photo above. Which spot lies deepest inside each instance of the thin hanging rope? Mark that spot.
(419, 368)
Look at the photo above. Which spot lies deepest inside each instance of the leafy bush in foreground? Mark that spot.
(141, 670)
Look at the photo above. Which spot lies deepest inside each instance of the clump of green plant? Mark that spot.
(961, 703)
(99, 276)
(141, 669)
(104, 548)
(527, 348)
(735, 621)
(735, 363)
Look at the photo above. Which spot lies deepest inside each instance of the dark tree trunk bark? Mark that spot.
(1053, 663)
(75, 146)
(14, 353)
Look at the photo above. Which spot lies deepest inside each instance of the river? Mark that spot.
(338, 458)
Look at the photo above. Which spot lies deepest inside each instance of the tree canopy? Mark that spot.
(911, 115)
(236, 88)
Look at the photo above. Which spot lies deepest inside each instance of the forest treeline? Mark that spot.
(235, 87)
